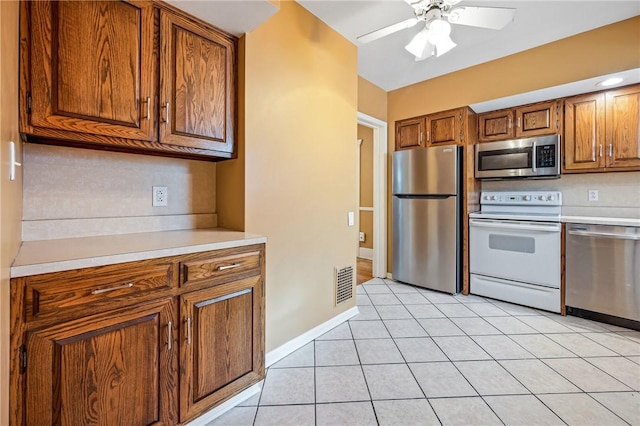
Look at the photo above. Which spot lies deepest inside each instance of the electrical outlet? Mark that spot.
(593, 195)
(160, 196)
(362, 237)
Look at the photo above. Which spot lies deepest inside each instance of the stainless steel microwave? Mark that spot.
(537, 157)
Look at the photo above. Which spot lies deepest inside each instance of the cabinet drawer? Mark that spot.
(89, 289)
(220, 266)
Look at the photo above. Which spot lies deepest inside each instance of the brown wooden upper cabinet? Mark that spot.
(409, 133)
(91, 68)
(543, 118)
(449, 127)
(602, 131)
(197, 85)
(89, 73)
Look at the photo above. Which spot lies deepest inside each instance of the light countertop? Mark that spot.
(597, 220)
(44, 256)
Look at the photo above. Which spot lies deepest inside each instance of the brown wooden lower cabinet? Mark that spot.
(144, 360)
(218, 357)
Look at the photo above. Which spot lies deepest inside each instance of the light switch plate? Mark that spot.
(593, 195)
(352, 219)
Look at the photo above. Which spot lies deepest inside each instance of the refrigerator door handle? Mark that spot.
(424, 196)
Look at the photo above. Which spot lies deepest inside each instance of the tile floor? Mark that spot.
(418, 357)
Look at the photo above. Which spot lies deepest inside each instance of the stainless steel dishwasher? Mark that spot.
(603, 271)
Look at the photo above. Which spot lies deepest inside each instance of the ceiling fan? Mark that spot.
(437, 16)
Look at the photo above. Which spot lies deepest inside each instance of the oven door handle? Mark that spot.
(633, 237)
(483, 223)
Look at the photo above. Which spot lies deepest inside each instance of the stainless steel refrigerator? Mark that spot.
(426, 216)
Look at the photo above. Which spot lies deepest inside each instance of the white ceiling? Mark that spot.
(388, 65)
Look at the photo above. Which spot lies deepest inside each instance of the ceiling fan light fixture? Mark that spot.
(439, 31)
(418, 43)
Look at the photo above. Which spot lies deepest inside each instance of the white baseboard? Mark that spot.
(366, 253)
(207, 417)
(294, 344)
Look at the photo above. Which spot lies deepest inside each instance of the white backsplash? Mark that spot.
(71, 192)
(619, 192)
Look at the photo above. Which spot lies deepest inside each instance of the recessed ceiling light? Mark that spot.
(610, 81)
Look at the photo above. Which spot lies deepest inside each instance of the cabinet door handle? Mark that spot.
(600, 150)
(427, 136)
(106, 290)
(169, 335)
(518, 122)
(611, 150)
(148, 102)
(167, 114)
(189, 330)
(223, 268)
(510, 123)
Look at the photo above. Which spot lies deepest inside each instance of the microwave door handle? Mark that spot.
(534, 159)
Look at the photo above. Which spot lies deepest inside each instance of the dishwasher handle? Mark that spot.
(584, 233)
(483, 223)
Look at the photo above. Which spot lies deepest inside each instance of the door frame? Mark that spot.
(379, 192)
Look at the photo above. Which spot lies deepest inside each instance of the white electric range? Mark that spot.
(514, 248)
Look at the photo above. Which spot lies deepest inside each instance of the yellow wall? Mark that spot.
(366, 184)
(597, 52)
(300, 164)
(10, 192)
(230, 174)
(372, 100)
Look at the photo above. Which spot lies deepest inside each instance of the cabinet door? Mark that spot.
(222, 343)
(538, 119)
(444, 128)
(92, 67)
(623, 127)
(584, 132)
(410, 133)
(197, 86)
(115, 369)
(496, 125)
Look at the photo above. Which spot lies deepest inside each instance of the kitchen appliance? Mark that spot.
(537, 157)
(603, 272)
(426, 217)
(514, 248)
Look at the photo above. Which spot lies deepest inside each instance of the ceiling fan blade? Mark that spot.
(495, 18)
(382, 32)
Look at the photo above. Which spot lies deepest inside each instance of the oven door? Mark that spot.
(522, 251)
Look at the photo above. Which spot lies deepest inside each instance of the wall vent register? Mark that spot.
(343, 284)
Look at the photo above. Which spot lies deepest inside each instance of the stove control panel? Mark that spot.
(522, 198)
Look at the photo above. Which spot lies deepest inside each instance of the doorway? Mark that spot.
(379, 193)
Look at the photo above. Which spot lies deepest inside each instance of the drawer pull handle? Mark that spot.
(223, 268)
(167, 108)
(106, 290)
(169, 334)
(189, 330)
(148, 102)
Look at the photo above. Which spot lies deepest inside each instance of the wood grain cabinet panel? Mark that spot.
(444, 128)
(150, 353)
(222, 343)
(496, 125)
(602, 131)
(410, 133)
(197, 76)
(132, 76)
(103, 370)
(229, 264)
(584, 132)
(542, 118)
(623, 127)
(91, 68)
